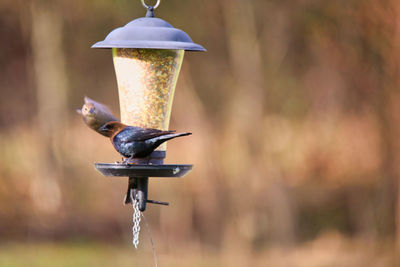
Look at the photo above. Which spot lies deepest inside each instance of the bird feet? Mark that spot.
(132, 161)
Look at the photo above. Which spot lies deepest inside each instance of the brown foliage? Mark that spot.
(294, 110)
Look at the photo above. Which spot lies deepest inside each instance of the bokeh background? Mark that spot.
(295, 110)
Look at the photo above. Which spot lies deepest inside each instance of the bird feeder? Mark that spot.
(147, 54)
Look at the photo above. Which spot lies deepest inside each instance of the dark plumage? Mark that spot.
(136, 142)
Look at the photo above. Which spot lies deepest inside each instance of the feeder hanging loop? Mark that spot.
(150, 9)
(155, 6)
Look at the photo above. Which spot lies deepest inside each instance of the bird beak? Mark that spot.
(79, 111)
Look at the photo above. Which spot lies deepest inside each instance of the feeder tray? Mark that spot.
(139, 175)
(143, 170)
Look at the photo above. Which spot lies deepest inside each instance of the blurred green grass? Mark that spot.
(64, 255)
(91, 254)
(330, 249)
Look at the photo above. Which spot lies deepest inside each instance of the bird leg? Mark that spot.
(126, 161)
(140, 161)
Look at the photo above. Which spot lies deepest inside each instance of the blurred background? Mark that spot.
(295, 110)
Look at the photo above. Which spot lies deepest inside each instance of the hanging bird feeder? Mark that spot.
(147, 54)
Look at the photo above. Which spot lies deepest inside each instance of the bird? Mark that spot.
(95, 114)
(136, 142)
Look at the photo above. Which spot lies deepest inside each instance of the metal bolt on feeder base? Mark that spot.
(139, 175)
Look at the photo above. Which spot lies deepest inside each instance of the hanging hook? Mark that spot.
(150, 9)
(154, 7)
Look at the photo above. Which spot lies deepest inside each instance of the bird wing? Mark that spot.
(130, 134)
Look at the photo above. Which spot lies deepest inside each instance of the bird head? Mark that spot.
(88, 110)
(111, 127)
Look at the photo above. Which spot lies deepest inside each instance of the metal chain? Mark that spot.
(136, 221)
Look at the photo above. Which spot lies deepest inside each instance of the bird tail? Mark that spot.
(163, 138)
(171, 136)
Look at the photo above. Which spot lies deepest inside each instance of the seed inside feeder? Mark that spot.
(146, 85)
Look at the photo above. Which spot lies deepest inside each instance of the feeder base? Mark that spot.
(139, 175)
(143, 170)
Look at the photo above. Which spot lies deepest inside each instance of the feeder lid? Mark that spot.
(151, 33)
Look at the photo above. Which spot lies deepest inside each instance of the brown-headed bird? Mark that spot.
(95, 114)
(136, 142)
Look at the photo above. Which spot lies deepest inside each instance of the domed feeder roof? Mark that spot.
(151, 33)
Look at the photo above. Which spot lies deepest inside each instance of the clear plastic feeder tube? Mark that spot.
(146, 85)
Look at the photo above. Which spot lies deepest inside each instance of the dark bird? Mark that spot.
(136, 142)
(95, 114)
